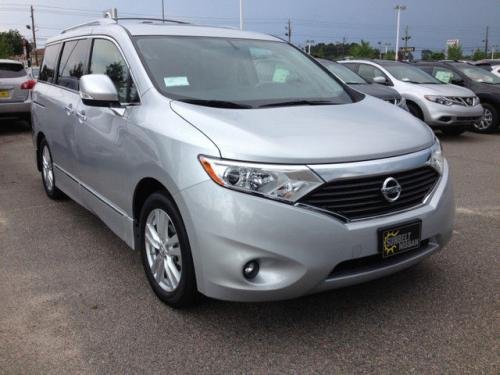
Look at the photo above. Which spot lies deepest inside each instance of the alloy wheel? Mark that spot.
(47, 169)
(163, 250)
(486, 121)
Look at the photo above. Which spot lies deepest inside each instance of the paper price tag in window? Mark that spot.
(444, 76)
(280, 75)
(176, 81)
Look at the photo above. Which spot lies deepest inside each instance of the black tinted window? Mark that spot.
(49, 64)
(11, 70)
(107, 59)
(73, 63)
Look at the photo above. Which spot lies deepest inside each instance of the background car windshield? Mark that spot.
(407, 73)
(10, 70)
(248, 72)
(344, 73)
(478, 74)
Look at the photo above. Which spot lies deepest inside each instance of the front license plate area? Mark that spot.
(399, 239)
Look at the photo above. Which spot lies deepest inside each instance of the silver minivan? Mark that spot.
(236, 164)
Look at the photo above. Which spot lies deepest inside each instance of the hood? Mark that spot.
(378, 91)
(485, 88)
(369, 129)
(446, 90)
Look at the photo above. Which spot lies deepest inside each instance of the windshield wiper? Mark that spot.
(216, 103)
(297, 102)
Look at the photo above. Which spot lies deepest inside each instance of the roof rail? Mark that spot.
(98, 22)
(151, 19)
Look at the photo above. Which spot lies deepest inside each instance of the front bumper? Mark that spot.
(438, 115)
(297, 248)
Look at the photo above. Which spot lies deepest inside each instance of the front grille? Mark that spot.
(372, 262)
(358, 198)
(467, 101)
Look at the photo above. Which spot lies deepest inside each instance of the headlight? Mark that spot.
(436, 159)
(286, 183)
(439, 99)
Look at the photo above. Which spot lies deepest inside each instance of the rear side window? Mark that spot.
(73, 63)
(369, 72)
(49, 64)
(11, 70)
(107, 59)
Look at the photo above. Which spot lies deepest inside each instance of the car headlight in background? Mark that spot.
(286, 183)
(439, 99)
(436, 159)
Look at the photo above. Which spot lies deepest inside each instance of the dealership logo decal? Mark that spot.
(391, 189)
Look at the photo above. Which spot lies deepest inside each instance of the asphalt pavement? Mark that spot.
(74, 299)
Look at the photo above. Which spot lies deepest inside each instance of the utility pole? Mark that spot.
(163, 10)
(406, 38)
(343, 46)
(241, 14)
(34, 35)
(398, 9)
(486, 41)
(288, 29)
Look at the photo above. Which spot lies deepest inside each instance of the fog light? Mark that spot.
(251, 269)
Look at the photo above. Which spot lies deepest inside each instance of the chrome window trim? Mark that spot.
(370, 168)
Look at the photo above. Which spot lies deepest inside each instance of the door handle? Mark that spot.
(69, 109)
(81, 115)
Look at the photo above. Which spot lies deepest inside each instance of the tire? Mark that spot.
(489, 122)
(166, 253)
(455, 130)
(47, 171)
(415, 110)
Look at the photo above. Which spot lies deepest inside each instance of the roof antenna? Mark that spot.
(111, 13)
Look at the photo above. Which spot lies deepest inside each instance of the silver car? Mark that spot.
(15, 88)
(450, 108)
(235, 164)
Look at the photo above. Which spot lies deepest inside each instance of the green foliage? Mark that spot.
(11, 43)
(478, 55)
(390, 55)
(331, 51)
(455, 53)
(363, 50)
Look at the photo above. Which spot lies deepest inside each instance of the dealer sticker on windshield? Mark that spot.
(399, 239)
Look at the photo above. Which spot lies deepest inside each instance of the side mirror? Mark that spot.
(98, 90)
(380, 79)
(457, 81)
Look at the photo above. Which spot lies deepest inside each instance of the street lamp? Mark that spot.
(398, 9)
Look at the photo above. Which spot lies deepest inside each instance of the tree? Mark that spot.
(363, 50)
(426, 54)
(478, 55)
(390, 55)
(11, 43)
(437, 56)
(455, 53)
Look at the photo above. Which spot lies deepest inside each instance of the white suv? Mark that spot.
(450, 108)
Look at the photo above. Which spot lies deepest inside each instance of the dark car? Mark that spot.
(483, 83)
(360, 84)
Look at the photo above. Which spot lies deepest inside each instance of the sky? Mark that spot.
(430, 22)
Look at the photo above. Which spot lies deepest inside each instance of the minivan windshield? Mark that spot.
(236, 73)
(406, 73)
(344, 73)
(478, 74)
(11, 70)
